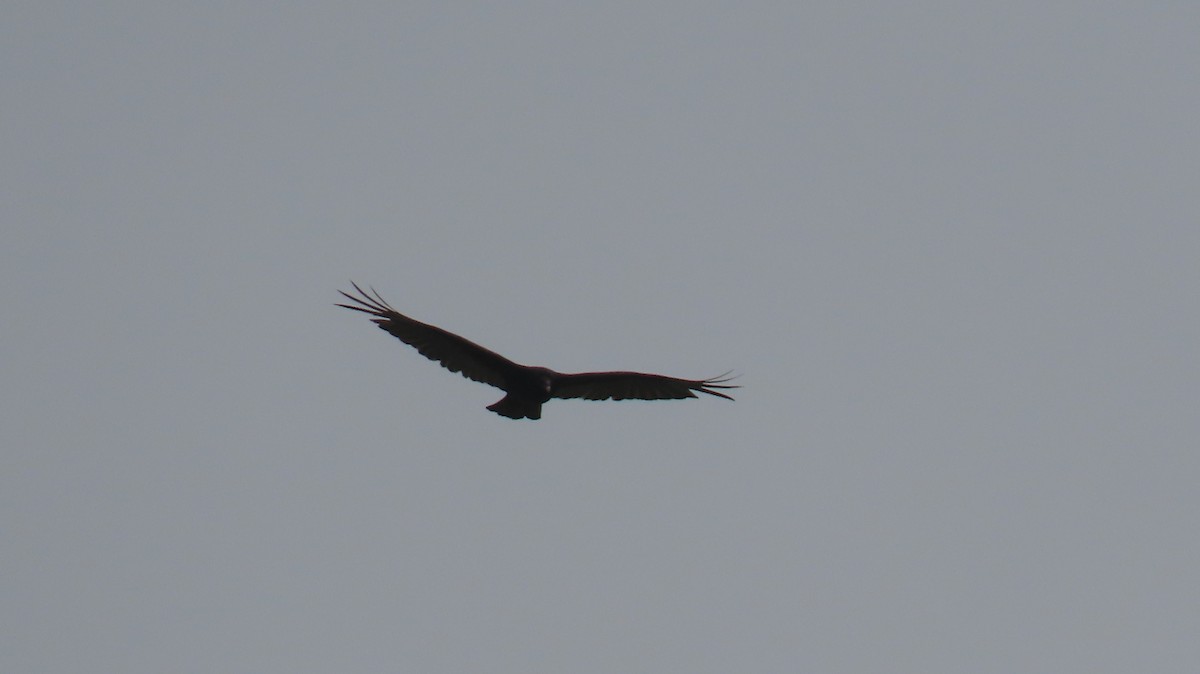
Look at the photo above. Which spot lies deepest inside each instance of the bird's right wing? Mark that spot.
(453, 352)
(636, 386)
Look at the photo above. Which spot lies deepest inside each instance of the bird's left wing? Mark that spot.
(636, 386)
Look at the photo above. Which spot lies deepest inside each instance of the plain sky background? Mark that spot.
(952, 248)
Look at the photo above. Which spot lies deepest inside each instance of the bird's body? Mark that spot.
(527, 387)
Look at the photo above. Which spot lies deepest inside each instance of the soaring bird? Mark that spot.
(526, 387)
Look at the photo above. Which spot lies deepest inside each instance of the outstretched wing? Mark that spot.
(636, 386)
(453, 352)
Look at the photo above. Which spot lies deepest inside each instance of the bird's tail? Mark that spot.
(517, 408)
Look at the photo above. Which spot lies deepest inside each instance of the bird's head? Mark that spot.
(545, 379)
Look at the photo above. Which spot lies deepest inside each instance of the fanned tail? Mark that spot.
(517, 408)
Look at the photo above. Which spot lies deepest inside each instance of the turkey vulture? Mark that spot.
(526, 387)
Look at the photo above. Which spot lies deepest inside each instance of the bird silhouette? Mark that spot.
(526, 387)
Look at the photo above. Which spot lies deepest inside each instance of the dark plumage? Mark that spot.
(527, 387)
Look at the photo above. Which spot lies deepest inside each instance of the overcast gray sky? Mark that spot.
(951, 247)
